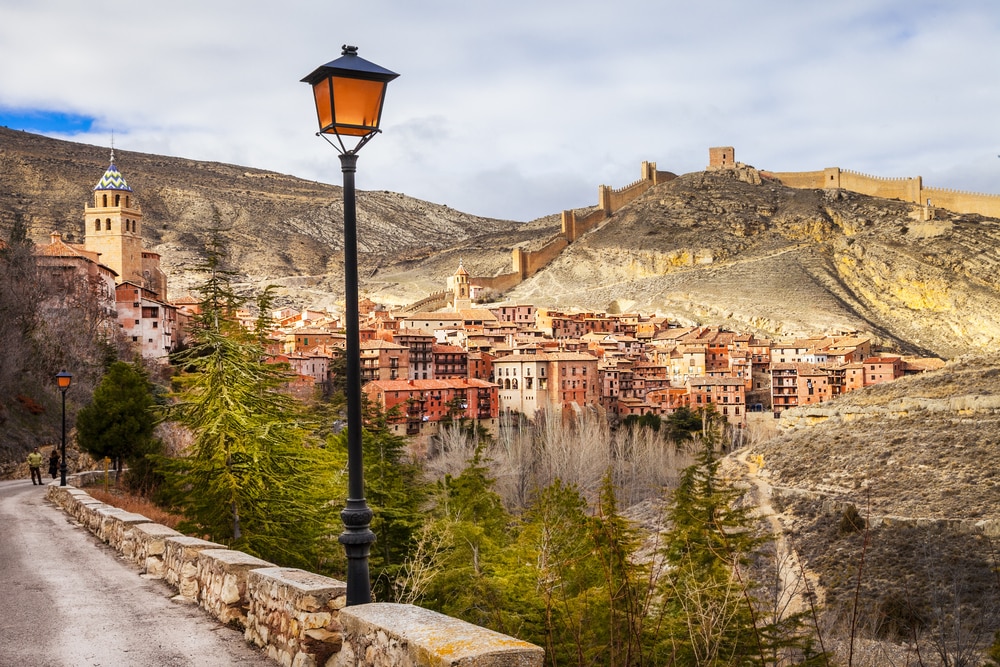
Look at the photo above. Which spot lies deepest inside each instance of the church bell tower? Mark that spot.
(113, 226)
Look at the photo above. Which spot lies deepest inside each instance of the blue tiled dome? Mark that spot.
(113, 180)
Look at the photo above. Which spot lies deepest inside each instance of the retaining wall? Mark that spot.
(299, 617)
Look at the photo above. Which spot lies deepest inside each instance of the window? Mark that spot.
(107, 224)
(104, 201)
(155, 324)
(97, 225)
(118, 200)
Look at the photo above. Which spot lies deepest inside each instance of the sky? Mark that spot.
(522, 108)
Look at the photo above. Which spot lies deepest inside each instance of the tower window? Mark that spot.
(97, 225)
(107, 224)
(105, 201)
(118, 200)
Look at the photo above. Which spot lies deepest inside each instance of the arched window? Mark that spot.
(127, 201)
(97, 225)
(506, 384)
(107, 224)
(118, 200)
(513, 384)
(105, 201)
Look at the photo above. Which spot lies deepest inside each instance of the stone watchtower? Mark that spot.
(721, 157)
(113, 226)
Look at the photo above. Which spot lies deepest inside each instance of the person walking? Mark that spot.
(35, 466)
(54, 463)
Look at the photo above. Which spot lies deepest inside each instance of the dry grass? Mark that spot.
(134, 503)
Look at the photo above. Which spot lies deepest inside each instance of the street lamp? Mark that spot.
(63, 380)
(349, 93)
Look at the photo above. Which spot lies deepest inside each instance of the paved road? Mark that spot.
(67, 600)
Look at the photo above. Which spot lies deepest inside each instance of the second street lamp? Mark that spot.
(349, 93)
(63, 381)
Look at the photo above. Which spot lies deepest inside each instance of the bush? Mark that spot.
(851, 521)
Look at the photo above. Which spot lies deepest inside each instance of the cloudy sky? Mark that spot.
(521, 108)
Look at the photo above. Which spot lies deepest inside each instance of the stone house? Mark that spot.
(728, 394)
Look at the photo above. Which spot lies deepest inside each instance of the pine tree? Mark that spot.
(394, 492)
(118, 423)
(470, 510)
(249, 480)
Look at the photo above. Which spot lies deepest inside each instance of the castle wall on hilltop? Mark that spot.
(908, 189)
(526, 263)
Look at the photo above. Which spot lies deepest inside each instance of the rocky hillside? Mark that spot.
(724, 248)
(729, 248)
(914, 462)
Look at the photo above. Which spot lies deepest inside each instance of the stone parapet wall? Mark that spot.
(299, 617)
(151, 547)
(402, 635)
(180, 563)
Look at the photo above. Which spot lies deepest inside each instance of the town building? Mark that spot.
(417, 408)
(145, 319)
(531, 381)
(384, 360)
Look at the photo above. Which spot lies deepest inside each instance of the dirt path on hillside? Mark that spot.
(793, 585)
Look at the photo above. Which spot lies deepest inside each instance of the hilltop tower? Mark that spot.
(461, 299)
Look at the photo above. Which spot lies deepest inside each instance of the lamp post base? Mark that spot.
(357, 539)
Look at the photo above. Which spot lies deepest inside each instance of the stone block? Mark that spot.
(180, 563)
(296, 612)
(222, 583)
(150, 544)
(401, 635)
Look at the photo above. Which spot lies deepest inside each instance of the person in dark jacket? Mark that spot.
(54, 463)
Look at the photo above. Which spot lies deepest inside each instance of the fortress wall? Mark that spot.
(536, 259)
(527, 262)
(299, 617)
(904, 189)
(500, 283)
(663, 177)
(798, 179)
(573, 226)
(962, 202)
(618, 198)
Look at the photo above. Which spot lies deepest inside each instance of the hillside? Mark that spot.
(280, 228)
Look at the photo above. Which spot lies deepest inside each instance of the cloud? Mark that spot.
(521, 109)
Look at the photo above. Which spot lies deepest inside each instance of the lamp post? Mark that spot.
(349, 93)
(63, 380)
